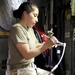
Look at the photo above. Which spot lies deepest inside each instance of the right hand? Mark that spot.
(51, 42)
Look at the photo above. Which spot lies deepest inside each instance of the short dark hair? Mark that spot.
(25, 6)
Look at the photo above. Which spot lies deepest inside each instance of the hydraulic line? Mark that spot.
(56, 66)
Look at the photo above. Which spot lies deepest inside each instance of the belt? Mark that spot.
(18, 66)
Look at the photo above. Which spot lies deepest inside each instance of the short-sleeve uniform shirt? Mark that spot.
(20, 34)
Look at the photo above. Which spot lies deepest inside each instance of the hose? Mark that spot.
(56, 66)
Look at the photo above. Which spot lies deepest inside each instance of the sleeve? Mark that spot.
(17, 35)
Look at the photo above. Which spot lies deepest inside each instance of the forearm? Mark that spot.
(38, 50)
(28, 53)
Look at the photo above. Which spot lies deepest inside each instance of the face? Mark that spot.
(32, 18)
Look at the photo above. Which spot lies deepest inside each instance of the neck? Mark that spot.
(23, 23)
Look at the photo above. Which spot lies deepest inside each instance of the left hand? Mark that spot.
(55, 40)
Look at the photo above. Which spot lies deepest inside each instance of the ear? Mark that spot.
(25, 14)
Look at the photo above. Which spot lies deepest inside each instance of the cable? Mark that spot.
(56, 66)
